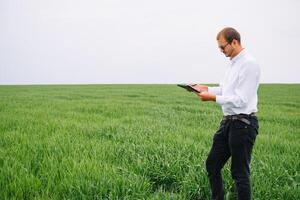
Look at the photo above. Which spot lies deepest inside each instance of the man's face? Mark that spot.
(225, 47)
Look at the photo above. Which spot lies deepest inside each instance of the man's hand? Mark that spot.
(205, 96)
(198, 87)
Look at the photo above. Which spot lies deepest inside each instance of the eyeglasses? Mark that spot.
(223, 47)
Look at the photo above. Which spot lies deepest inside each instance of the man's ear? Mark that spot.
(234, 42)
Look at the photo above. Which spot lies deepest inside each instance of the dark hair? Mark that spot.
(229, 34)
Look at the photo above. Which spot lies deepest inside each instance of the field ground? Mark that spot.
(135, 142)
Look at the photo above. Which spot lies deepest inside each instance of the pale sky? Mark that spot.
(138, 41)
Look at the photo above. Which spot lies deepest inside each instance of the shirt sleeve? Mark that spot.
(248, 80)
(215, 90)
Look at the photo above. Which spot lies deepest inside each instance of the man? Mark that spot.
(237, 95)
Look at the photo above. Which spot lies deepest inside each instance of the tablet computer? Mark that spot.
(188, 88)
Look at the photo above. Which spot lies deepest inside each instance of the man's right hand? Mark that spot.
(198, 87)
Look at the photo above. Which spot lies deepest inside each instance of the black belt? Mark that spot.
(241, 117)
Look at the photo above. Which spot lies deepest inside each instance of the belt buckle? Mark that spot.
(234, 117)
(246, 121)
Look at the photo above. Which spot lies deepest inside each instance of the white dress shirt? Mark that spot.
(237, 93)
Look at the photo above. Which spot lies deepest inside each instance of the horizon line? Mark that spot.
(55, 84)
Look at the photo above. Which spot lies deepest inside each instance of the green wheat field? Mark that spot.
(136, 142)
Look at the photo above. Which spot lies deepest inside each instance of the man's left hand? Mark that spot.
(206, 96)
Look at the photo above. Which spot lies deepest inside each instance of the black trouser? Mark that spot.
(235, 138)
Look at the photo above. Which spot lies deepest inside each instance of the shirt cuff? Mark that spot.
(214, 90)
(220, 100)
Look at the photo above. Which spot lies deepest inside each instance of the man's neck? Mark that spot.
(236, 52)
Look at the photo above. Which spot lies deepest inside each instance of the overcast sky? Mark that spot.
(139, 41)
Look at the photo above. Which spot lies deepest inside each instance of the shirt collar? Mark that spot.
(237, 57)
